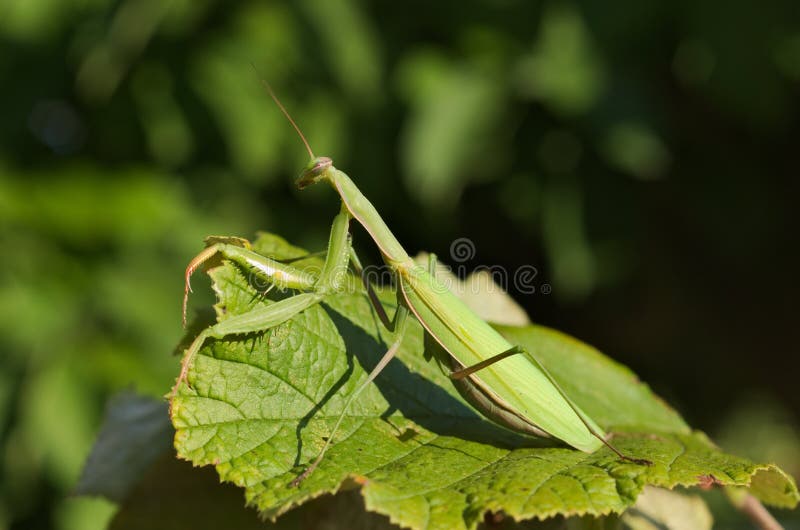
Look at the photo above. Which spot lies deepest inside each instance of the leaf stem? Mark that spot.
(757, 513)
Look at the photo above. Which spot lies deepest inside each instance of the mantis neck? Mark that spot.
(366, 214)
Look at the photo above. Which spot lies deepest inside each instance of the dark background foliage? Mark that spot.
(641, 156)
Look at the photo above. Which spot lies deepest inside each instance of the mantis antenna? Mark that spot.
(283, 109)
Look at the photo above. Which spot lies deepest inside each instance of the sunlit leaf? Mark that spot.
(260, 407)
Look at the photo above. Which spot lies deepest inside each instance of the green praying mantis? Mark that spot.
(504, 382)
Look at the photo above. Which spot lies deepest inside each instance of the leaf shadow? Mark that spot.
(420, 399)
(316, 408)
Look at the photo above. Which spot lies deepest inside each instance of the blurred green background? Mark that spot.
(642, 156)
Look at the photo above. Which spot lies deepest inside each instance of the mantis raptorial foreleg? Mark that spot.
(259, 319)
(330, 280)
(239, 251)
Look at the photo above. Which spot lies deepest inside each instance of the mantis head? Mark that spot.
(316, 170)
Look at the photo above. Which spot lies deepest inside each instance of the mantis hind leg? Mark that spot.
(459, 375)
(400, 323)
(464, 372)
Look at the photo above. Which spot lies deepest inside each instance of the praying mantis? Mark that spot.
(502, 381)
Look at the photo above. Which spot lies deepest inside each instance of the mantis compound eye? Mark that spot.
(314, 171)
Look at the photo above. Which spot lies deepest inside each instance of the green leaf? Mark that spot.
(205, 504)
(261, 406)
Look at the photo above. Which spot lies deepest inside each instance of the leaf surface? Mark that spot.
(260, 407)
